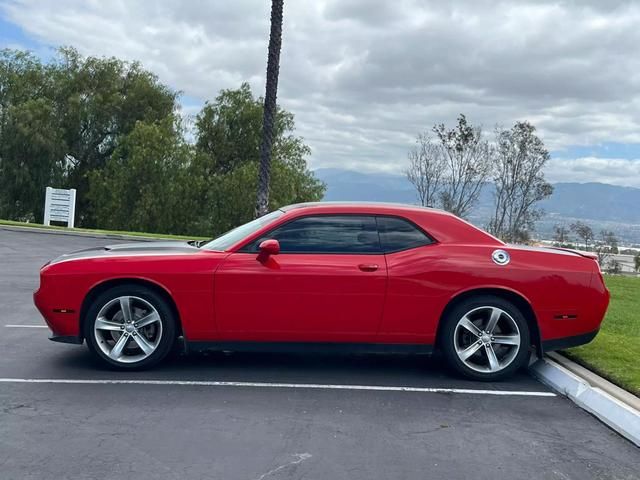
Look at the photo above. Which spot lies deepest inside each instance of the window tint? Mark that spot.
(225, 240)
(327, 234)
(398, 234)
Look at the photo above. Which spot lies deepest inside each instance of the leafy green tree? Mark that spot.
(100, 101)
(31, 144)
(109, 129)
(22, 78)
(225, 130)
(31, 157)
(78, 110)
(228, 133)
(145, 184)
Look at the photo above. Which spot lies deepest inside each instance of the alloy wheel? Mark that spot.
(128, 329)
(487, 339)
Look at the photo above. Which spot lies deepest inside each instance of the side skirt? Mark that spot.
(311, 347)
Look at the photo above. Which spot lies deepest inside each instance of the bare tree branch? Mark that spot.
(426, 168)
(467, 158)
(518, 162)
(584, 232)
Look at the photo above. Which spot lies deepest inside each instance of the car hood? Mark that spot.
(129, 249)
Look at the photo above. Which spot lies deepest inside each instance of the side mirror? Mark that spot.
(269, 247)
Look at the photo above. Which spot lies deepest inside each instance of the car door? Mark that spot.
(414, 272)
(327, 283)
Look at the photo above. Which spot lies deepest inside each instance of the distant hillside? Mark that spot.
(601, 205)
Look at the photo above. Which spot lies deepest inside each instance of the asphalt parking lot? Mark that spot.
(245, 416)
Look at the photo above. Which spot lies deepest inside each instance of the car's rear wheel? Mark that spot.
(130, 327)
(485, 338)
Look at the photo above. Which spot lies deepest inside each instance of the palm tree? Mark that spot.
(273, 68)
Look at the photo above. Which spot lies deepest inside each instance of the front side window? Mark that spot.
(326, 234)
(226, 240)
(398, 234)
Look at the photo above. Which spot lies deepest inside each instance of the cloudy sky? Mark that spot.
(363, 77)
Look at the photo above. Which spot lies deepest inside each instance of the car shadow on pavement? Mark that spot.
(319, 368)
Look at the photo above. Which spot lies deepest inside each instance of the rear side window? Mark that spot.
(398, 234)
(326, 234)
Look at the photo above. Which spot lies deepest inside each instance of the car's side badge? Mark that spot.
(500, 257)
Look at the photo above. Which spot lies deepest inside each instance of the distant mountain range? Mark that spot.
(601, 205)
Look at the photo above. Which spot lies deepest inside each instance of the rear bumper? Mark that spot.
(66, 339)
(568, 342)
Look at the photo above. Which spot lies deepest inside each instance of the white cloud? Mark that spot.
(364, 77)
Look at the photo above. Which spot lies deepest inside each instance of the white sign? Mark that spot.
(60, 206)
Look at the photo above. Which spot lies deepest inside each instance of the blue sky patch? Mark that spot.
(602, 150)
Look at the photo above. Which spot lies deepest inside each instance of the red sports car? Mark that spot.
(361, 277)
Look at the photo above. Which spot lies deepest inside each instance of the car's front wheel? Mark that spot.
(485, 338)
(130, 327)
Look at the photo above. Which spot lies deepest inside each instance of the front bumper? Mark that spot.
(568, 342)
(63, 322)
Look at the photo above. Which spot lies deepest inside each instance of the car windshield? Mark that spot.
(226, 240)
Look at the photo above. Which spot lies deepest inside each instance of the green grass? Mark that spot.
(12, 223)
(615, 352)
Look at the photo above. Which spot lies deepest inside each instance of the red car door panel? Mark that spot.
(416, 295)
(300, 297)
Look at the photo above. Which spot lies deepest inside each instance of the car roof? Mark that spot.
(444, 226)
(361, 206)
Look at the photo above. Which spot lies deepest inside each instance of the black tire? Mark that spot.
(447, 340)
(167, 338)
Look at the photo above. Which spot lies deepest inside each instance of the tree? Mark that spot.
(146, 185)
(78, 110)
(605, 246)
(583, 231)
(109, 129)
(225, 166)
(271, 91)
(615, 267)
(100, 101)
(560, 235)
(426, 168)
(31, 157)
(155, 181)
(31, 144)
(468, 165)
(518, 162)
(225, 129)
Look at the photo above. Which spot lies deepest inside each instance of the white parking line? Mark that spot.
(196, 383)
(26, 326)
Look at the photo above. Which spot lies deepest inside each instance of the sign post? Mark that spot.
(60, 206)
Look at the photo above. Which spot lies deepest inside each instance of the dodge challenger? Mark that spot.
(347, 276)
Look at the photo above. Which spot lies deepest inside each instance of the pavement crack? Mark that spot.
(11, 408)
(300, 457)
(432, 430)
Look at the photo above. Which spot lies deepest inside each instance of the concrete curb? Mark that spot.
(115, 236)
(591, 393)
